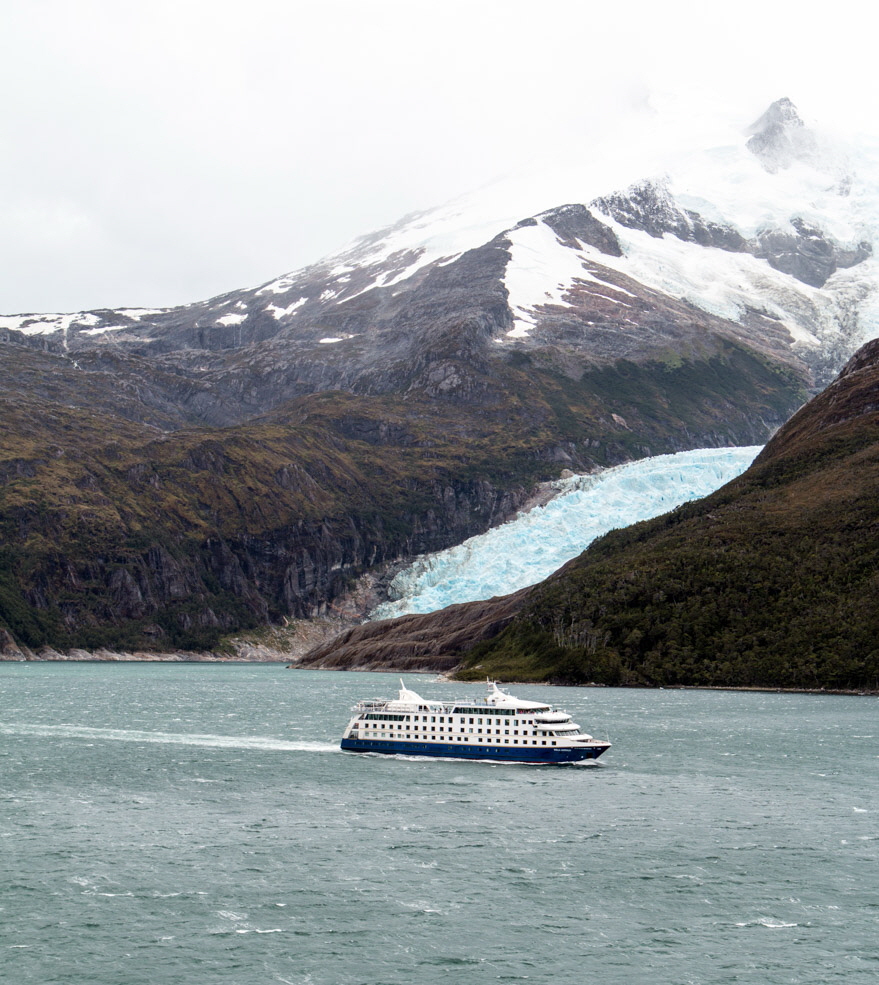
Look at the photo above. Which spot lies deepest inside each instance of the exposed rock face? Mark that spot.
(804, 252)
(577, 227)
(649, 206)
(9, 649)
(431, 642)
(807, 253)
(780, 137)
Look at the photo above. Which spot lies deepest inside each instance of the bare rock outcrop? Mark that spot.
(431, 642)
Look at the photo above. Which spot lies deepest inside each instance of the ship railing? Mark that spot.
(371, 704)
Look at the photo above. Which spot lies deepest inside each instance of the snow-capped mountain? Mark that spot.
(771, 240)
(167, 476)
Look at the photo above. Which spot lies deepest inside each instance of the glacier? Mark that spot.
(536, 543)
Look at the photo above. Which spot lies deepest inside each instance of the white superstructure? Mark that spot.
(497, 726)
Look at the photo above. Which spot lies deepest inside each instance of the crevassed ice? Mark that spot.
(528, 549)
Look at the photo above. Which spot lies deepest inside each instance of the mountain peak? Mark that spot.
(782, 113)
(779, 137)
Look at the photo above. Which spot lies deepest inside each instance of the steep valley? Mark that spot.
(118, 534)
(171, 477)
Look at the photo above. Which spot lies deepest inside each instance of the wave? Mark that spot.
(767, 922)
(255, 742)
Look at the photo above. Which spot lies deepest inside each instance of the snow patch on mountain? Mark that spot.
(534, 545)
(87, 322)
(280, 313)
(730, 285)
(136, 314)
(540, 271)
(717, 281)
(280, 285)
(441, 235)
(104, 329)
(728, 185)
(48, 324)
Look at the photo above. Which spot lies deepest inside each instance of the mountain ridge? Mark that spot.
(411, 388)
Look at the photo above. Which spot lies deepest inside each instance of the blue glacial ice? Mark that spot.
(529, 548)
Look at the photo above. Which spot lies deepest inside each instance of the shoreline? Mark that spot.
(270, 657)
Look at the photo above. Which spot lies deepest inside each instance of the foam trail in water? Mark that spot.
(256, 742)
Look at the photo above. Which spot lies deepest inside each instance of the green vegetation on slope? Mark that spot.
(771, 582)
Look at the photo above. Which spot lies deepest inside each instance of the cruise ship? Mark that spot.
(497, 726)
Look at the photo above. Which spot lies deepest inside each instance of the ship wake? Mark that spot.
(256, 742)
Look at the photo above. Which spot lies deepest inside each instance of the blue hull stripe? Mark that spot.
(522, 754)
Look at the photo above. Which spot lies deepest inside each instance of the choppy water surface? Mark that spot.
(197, 824)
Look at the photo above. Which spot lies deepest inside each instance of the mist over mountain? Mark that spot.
(172, 476)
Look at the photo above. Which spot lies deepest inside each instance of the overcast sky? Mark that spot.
(154, 153)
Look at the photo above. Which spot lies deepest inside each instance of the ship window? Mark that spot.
(471, 721)
(553, 743)
(515, 742)
(506, 731)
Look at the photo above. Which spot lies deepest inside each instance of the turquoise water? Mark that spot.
(173, 823)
